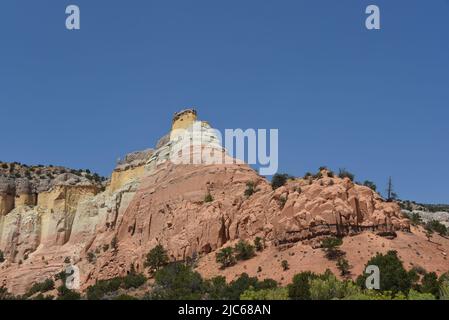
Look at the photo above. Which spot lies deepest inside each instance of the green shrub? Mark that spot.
(374, 295)
(156, 258)
(240, 285)
(444, 290)
(225, 257)
(208, 198)
(2, 256)
(318, 175)
(415, 218)
(265, 294)
(343, 266)
(244, 250)
(370, 185)
(279, 180)
(415, 295)
(282, 201)
(177, 282)
(134, 280)
(5, 295)
(330, 246)
(307, 175)
(41, 287)
(394, 277)
(437, 227)
(285, 265)
(114, 243)
(343, 173)
(444, 277)
(414, 278)
(40, 296)
(250, 189)
(67, 294)
(266, 284)
(259, 244)
(103, 287)
(418, 270)
(329, 287)
(61, 276)
(430, 284)
(299, 289)
(216, 288)
(91, 257)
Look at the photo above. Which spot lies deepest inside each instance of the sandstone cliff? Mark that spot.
(54, 217)
(23, 185)
(167, 206)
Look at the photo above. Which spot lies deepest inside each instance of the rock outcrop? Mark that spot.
(169, 209)
(22, 185)
(427, 212)
(7, 195)
(132, 167)
(42, 218)
(152, 201)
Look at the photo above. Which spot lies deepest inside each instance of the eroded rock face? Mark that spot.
(132, 167)
(21, 185)
(40, 241)
(20, 233)
(7, 193)
(167, 207)
(52, 217)
(37, 208)
(49, 223)
(333, 206)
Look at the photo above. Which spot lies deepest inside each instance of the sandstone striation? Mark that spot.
(169, 209)
(130, 168)
(22, 185)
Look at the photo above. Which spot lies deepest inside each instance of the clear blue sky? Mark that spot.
(376, 103)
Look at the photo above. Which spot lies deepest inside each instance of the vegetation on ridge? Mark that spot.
(179, 281)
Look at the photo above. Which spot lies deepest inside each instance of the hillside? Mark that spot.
(194, 211)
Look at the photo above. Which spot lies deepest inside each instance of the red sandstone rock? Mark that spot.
(168, 208)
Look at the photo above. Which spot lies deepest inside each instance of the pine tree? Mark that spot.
(391, 195)
(157, 258)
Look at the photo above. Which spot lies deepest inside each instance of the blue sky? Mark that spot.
(374, 102)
